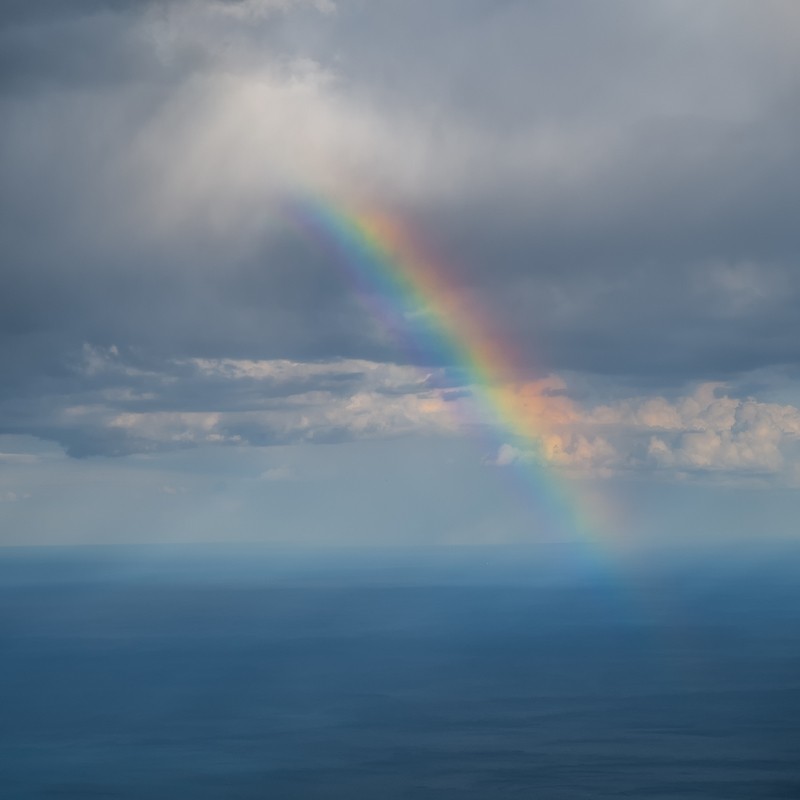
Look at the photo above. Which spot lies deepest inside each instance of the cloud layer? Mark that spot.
(119, 407)
(616, 185)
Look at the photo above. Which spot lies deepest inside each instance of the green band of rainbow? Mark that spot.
(405, 283)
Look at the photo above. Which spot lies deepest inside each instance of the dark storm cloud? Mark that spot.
(615, 182)
(679, 133)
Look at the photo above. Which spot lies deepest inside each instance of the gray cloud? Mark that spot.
(113, 403)
(614, 183)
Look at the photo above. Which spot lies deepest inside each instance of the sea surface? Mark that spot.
(246, 674)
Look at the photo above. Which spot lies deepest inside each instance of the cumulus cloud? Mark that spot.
(118, 405)
(572, 451)
(707, 431)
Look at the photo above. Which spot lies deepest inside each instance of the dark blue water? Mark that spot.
(206, 674)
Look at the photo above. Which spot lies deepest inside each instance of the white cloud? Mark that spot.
(308, 416)
(278, 474)
(233, 144)
(13, 497)
(707, 431)
(567, 449)
(281, 371)
(271, 401)
(507, 454)
(248, 10)
(285, 401)
(176, 428)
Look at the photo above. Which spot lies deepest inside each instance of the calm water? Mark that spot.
(207, 674)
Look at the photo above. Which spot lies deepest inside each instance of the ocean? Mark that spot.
(247, 673)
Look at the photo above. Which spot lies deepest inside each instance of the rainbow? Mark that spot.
(407, 287)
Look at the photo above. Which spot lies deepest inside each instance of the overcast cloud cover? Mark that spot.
(617, 184)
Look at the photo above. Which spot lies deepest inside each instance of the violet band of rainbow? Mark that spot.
(387, 262)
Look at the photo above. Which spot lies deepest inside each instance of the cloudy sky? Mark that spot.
(614, 185)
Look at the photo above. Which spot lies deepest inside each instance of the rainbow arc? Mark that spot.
(409, 288)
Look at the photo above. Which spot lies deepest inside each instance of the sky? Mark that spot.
(611, 188)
